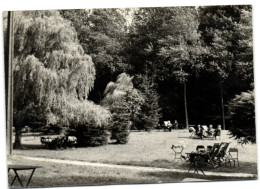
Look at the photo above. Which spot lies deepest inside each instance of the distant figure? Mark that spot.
(27, 129)
(199, 131)
(211, 131)
(192, 130)
(175, 124)
(168, 125)
(218, 132)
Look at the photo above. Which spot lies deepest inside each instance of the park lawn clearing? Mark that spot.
(65, 174)
(146, 149)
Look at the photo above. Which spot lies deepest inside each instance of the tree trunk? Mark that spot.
(222, 107)
(185, 106)
(18, 137)
(9, 83)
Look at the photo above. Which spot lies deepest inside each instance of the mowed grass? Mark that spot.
(55, 174)
(146, 149)
(143, 149)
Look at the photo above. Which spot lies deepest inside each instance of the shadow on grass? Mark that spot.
(196, 138)
(42, 147)
(178, 177)
(33, 147)
(69, 181)
(245, 167)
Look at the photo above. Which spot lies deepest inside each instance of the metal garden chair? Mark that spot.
(177, 152)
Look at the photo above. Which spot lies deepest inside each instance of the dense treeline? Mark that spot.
(143, 65)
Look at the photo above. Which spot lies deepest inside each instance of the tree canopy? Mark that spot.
(144, 65)
(52, 74)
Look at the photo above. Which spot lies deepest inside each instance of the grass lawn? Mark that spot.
(143, 149)
(53, 175)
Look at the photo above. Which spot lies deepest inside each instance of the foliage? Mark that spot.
(242, 115)
(148, 117)
(124, 102)
(52, 74)
(244, 53)
(101, 33)
(91, 136)
(166, 43)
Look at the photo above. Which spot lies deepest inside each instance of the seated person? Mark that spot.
(192, 130)
(211, 131)
(168, 125)
(200, 131)
(217, 133)
(175, 124)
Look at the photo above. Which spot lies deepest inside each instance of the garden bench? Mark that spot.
(59, 142)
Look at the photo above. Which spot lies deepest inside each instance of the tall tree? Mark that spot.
(124, 101)
(52, 74)
(101, 33)
(219, 28)
(181, 49)
(166, 42)
(149, 115)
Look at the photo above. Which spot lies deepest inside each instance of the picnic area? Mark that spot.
(143, 150)
(129, 95)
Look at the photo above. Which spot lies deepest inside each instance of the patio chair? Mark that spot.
(223, 153)
(212, 155)
(209, 148)
(177, 152)
(218, 154)
(200, 148)
(232, 156)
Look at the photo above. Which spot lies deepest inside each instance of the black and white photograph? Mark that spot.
(129, 95)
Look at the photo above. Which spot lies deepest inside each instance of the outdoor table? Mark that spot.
(197, 160)
(17, 168)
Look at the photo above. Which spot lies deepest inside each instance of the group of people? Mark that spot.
(204, 131)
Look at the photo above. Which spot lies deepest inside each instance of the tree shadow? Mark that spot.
(168, 176)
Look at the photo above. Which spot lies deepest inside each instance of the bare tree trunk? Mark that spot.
(222, 107)
(9, 84)
(18, 137)
(185, 106)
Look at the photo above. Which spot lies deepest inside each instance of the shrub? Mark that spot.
(91, 135)
(242, 117)
(124, 101)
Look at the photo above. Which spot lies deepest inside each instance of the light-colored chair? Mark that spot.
(232, 156)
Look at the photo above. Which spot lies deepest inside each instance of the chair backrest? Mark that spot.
(209, 148)
(200, 148)
(232, 151)
(204, 127)
(166, 123)
(178, 148)
(224, 148)
(215, 149)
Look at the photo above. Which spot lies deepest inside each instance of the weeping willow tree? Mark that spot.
(124, 103)
(52, 74)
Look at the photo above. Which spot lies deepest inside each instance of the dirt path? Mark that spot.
(143, 169)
